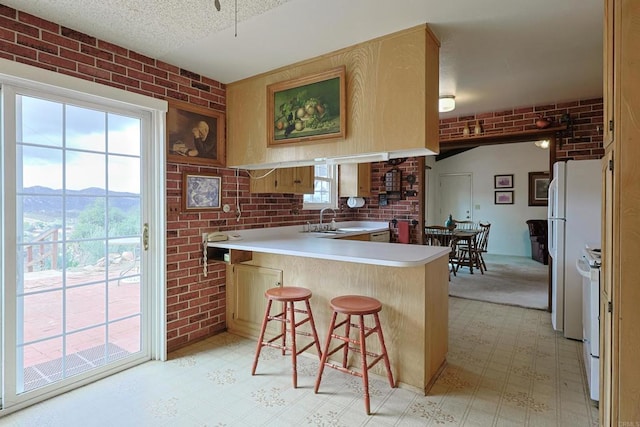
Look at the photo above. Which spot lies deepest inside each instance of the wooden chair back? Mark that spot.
(437, 235)
(483, 237)
(464, 225)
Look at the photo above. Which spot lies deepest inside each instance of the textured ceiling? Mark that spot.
(495, 54)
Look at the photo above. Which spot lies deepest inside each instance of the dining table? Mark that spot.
(463, 241)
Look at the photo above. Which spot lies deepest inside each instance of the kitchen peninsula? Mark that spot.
(411, 281)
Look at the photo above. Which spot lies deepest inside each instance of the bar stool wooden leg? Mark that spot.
(263, 328)
(347, 331)
(314, 333)
(288, 326)
(383, 347)
(294, 347)
(325, 351)
(357, 306)
(365, 370)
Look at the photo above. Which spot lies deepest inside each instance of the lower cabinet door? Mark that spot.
(246, 298)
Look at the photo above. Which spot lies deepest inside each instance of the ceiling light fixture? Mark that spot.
(446, 103)
(544, 144)
(216, 3)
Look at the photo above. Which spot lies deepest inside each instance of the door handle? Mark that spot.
(145, 236)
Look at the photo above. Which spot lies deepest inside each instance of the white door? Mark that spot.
(456, 197)
(75, 282)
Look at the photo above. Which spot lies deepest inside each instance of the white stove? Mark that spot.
(592, 256)
(589, 268)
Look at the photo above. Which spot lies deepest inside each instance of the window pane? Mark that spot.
(86, 306)
(124, 338)
(124, 216)
(124, 174)
(42, 217)
(31, 129)
(86, 171)
(42, 315)
(85, 129)
(85, 350)
(41, 167)
(124, 135)
(321, 170)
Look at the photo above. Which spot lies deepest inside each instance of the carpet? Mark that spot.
(510, 280)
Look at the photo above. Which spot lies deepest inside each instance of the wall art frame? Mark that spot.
(503, 197)
(503, 181)
(201, 191)
(195, 135)
(307, 109)
(538, 188)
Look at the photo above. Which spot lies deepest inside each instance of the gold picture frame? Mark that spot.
(307, 109)
(200, 191)
(195, 135)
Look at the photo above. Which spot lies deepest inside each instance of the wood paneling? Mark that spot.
(621, 385)
(392, 97)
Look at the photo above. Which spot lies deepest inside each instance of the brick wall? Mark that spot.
(584, 143)
(405, 209)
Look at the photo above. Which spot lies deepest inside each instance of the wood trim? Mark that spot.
(502, 138)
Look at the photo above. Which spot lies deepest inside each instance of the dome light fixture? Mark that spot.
(544, 144)
(446, 103)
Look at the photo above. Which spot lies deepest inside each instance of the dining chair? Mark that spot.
(438, 235)
(482, 241)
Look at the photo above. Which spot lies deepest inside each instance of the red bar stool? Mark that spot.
(355, 305)
(288, 295)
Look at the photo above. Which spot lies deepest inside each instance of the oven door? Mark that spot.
(590, 305)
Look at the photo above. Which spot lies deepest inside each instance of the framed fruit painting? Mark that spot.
(307, 109)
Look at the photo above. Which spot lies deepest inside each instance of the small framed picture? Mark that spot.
(503, 181)
(503, 198)
(200, 191)
(538, 188)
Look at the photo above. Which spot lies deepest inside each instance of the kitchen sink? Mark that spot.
(351, 229)
(324, 233)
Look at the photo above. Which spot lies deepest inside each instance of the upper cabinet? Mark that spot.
(391, 103)
(608, 73)
(354, 180)
(284, 180)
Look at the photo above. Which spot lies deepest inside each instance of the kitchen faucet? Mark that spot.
(322, 213)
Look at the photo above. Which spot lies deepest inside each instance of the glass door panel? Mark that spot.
(78, 204)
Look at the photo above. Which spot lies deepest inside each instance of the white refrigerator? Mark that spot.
(575, 194)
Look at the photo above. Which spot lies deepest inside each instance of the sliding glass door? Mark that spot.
(76, 302)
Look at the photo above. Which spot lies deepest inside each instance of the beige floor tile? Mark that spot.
(506, 367)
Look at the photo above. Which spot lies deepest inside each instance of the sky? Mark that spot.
(100, 147)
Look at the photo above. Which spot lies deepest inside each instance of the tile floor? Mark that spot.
(506, 367)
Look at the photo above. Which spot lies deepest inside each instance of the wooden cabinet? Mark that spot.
(285, 180)
(608, 73)
(620, 342)
(354, 180)
(245, 297)
(397, 72)
(606, 280)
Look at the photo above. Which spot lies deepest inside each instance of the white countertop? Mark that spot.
(292, 241)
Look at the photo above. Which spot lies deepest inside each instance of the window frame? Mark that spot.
(332, 178)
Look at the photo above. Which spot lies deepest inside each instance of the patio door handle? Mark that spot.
(145, 236)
